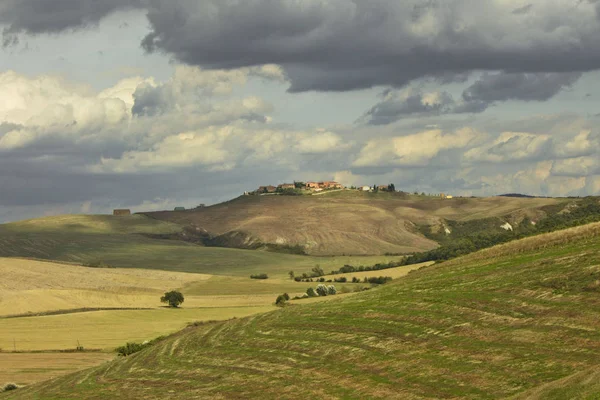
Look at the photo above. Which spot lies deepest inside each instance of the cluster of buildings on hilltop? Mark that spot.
(312, 186)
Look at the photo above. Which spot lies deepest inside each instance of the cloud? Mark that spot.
(522, 10)
(412, 150)
(412, 103)
(342, 44)
(519, 86)
(576, 167)
(55, 16)
(512, 146)
(320, 143)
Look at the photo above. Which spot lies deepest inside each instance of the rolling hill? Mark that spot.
(520, 319)
(134, 242)
(350, 222)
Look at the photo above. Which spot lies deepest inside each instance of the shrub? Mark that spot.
(321, 290)
(10, 386)
(174, 298)
(131, 348)
(310, 292)
(378, 280)
(259, 276)
(331, 290)
(281, 300)
(355, 280)
(343, 279)
(317, 271)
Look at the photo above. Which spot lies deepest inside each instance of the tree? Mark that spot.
(311, 292)
(391, 187)
(292, 275)
(174, 298)
(317, 271)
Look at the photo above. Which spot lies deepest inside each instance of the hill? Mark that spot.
(349, 222)
(500, 322)
(131, 242)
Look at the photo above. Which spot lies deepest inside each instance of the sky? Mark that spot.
(152, 104)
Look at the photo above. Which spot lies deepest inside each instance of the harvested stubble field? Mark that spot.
(105, 307)
(118, 242)
(28, 368)
(348, 221)
(505, 322)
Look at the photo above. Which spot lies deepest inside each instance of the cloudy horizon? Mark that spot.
(152, 104)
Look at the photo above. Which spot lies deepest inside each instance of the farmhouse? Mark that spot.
(331, 185)
(267, 189)
(366, 188)
(285, 186)
(383, 188)
(312, 185)
(121, 213)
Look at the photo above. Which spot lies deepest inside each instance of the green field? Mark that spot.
(118, 242)
(502, 322)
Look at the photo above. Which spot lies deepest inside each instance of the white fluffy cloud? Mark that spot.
(413, 150)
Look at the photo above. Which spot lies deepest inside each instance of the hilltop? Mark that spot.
(350, 221)
(518, 319)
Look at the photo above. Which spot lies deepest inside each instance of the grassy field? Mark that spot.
(116, 241)
(28, 368)
(502, 322)
(349, 222)
(107, 329)
(37, 287)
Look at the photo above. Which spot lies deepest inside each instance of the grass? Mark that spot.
(107, 329)
(348, 222)
(115, 243)
(36, 286)
(494, 324)
(28, 368)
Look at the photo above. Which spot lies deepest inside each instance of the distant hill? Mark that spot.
(349, 222)
(519, 319)
(517, 195)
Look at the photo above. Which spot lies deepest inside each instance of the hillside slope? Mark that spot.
(493, 324)
(129, 242)
(347, 222)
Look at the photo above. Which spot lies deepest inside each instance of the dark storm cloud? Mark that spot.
(521, 86)
(54, 16)
(393, 108)
(485, 92)
(344, 45)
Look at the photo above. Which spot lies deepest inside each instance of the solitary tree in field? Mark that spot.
(174, 298)
(292, 275)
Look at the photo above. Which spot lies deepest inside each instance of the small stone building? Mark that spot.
(121, 213)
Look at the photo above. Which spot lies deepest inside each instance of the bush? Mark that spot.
(282, 299)
(378, 280)
(321, 290)
(174, 298)
(10, 386)
(259, 276)
(131, 348)
(343, 279)
(355, 280)
(331, 290)
(310, 292)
